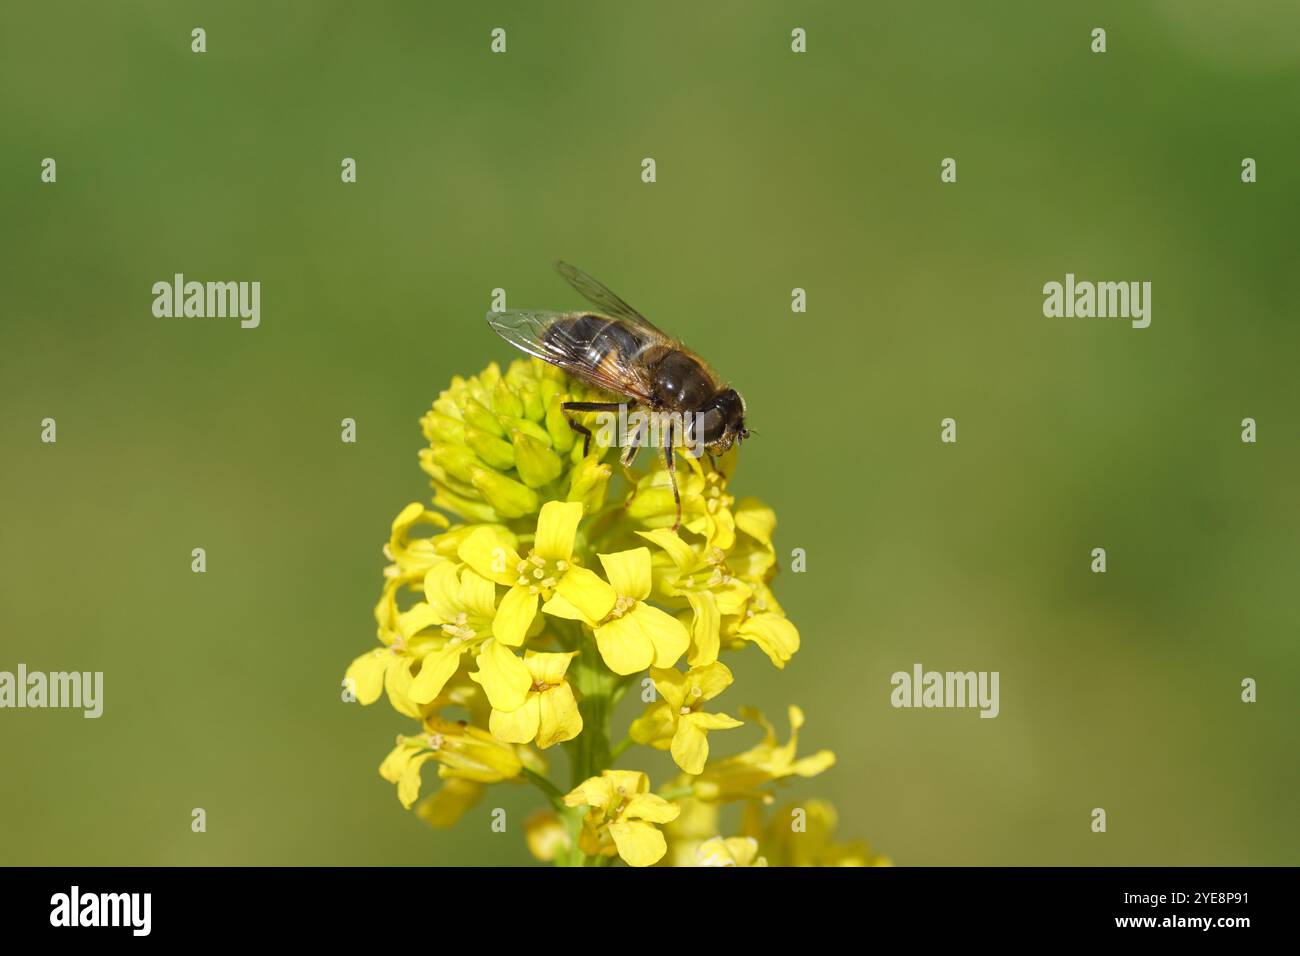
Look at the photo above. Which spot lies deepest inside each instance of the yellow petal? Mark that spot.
(584, 590)
(490, 551)
(592, 792)
(515, 616)
(681, 553)
(516, 726)
(408, 787)
(705, 628)
(720, 527)
(503, 676)
(417, 619)
(625, 647)
(639, 844)
(713, 721)
(670, 684)
(756, 519)
(557, 526)
(397, 681)
(442, 590)
(559, 606)
(406, 517)
(627, 782)
(367, 674)
(712, 679)
(478, 595)
(435, 670)
(548, 668)
(560, 720)
(732, 597)
(690, 748)
(774, 634)
(668, 635)
(813, 765)
(656, 726)
(629, 572)
(445, 808)
(395, 763)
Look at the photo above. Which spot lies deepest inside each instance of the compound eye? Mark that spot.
(708, 426)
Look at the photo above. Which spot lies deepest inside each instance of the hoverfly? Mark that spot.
(616, 349)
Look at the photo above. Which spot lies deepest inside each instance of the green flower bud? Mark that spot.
(494, 451)
(589, 481)
(499, 443)
(537, 464)
(456, 461)
(557, 425)
(514, 425)
(505, 402)
(481, 417)
(510, 498)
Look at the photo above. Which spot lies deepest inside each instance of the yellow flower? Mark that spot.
(630, 634)
(697, 822)
(754, 556)
(519, 572)
(622, 817)
(462, 604)
(753, 560)
(384, 666)
(700, 577)
(762, 622)
(801, 835)
(464, 752)
(734, 851)
(390, 667)
(676, 722)
(545, 835)
(745, 774)
(414, 555)
(706, 505)
(550, 712)
(491, 553)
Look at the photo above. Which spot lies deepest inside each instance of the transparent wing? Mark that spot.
(564, 340)
(600, 296)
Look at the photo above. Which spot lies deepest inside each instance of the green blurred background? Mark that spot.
(775, 170)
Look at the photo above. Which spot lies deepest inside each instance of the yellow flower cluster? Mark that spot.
(519, 622)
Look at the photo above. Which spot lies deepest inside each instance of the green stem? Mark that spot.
(599, 690)
(553, 793)
(590, 752)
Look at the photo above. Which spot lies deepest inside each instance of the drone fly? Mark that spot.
(614, 348)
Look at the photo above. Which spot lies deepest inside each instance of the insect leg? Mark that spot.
(670, 459)
(629, 455)
(633, 444)
(581, 429)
